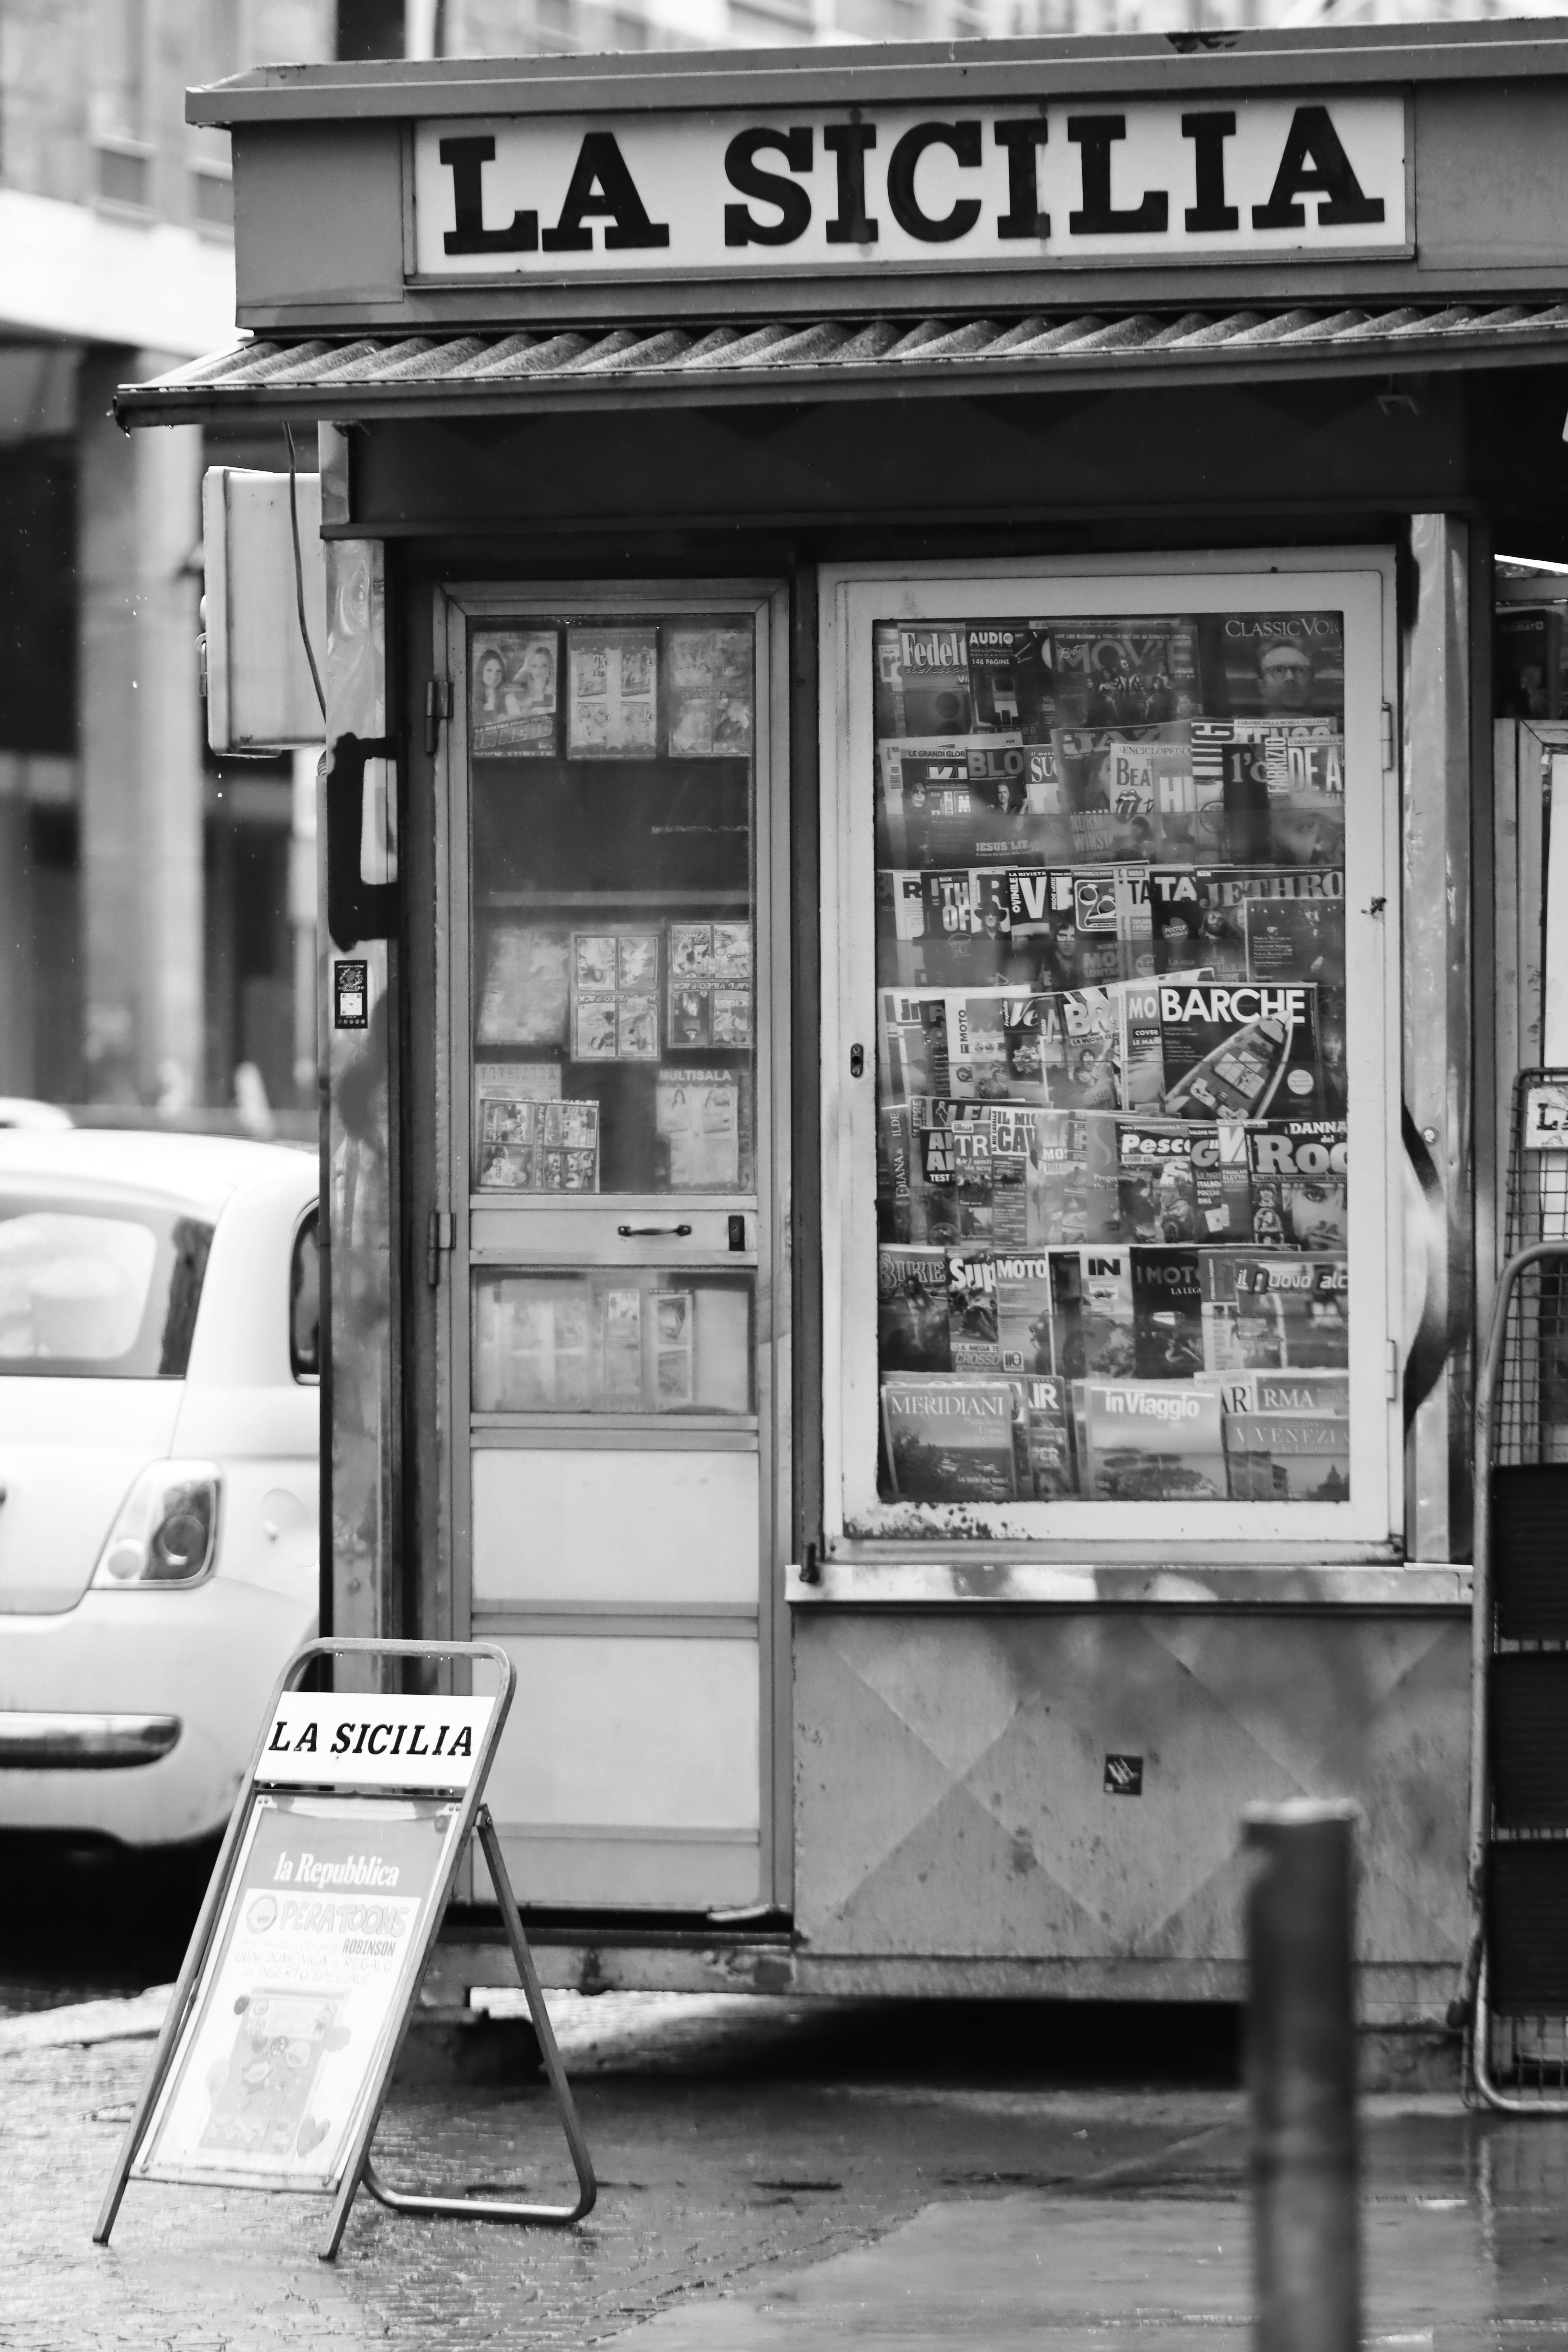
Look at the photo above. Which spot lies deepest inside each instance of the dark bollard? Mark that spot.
(1301, 2060)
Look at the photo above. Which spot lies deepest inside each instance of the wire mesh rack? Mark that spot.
(1519, 1841)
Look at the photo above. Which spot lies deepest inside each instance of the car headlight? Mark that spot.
(167, 1530)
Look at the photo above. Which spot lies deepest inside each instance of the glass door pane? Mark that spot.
(613, 981)
(612, 1008)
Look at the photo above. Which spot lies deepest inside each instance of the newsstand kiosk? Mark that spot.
(911, 948)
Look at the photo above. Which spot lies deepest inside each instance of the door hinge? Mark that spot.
(438, 1237)
(1388, 739)
(1394, 1371)
(438, 706)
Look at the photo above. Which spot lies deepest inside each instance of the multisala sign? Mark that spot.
(876, 188)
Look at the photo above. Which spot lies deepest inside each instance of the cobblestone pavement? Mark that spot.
(732, 2138)
(772, 2175)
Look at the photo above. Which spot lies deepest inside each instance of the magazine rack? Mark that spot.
(1517, 1972)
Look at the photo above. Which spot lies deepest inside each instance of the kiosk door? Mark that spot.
(618, 1096)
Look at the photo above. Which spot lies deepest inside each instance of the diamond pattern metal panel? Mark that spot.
(950, 1796)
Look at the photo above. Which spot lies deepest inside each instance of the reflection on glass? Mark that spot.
(617, 1340)
(614, 945)
(1112, 1141)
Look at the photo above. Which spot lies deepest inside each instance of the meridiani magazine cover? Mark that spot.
(950, 1440)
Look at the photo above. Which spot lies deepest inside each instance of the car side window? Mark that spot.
(305, 1303)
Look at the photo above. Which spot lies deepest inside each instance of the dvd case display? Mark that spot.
(1112, 1124)
(612, 1021)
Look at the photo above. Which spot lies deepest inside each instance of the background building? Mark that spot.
(155, 907)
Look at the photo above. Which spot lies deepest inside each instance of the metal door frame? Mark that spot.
(454, 605)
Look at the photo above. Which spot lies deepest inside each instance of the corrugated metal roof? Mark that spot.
(380, 375)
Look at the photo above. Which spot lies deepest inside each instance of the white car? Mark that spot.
(159, 1419)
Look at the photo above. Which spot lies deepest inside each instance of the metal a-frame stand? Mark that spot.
(475, 1820)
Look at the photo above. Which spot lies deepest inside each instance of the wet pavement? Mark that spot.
(777, 2176)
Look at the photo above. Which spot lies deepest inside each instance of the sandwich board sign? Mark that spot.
(275, 2059)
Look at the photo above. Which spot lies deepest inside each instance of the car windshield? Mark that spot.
(100, 1285)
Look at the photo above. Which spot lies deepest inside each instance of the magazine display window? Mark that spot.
(1110, 1114)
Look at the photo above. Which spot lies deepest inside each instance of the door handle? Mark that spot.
(663, 1233)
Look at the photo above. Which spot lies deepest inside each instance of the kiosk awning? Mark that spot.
(831, 359)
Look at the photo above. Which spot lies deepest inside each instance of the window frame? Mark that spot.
(858, 1525)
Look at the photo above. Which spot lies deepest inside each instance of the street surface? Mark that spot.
(776, 2177)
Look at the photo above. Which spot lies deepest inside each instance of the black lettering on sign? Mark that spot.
(350, 994)
(1095, 134)
(466, 160)
(849, 142)
(1123, 1776)
(1208, 133)
(741, 169)
(963, 139)
(603, 189)
(1314, 164)
(1022, 140)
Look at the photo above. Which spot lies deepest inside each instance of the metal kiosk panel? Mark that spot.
(277, 2054)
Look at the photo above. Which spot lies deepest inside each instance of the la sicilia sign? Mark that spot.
(868, 188)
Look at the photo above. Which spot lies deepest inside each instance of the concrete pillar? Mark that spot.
(16, 1074)
(139, 521)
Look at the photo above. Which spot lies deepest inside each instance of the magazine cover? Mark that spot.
(1125, 672)
(922, 672)
(509, 1144)
(1235, 1050)
(1012, 1128)
(1090, 1074)
(1139, 1045)
(1023, 1280)
(513, 698)
(913, 1059)
(620, 1347)
(1222, 1179)
(674, 1340)
(1286, 666)
(978, 1028)
(1167, 1313)
(966, 930)
(1112, 781)
(612, 693)
(1296, 939)
(697, 1118)
(613, 997)
(1251, 767)
(1013, 687)
(1080, 926)
(1297, 1170)
(524, 994)
(1071, 1184)
(957, 1177)
(1272, 1310)
(1284, 1392)
(972, 1311)
(707, 692)
(1156, 1187)
(1288, 1457)
(1151, 1441)
(912, 1311)
(1042, 1434)
(949, 1439)
(964, 803)
(1091, 1312)
(568, 1147)
(1194, 928)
